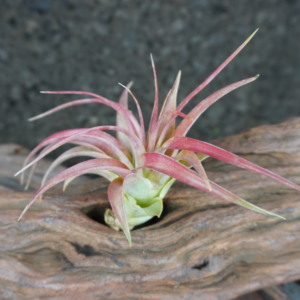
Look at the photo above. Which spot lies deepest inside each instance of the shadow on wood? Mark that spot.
(202, 247)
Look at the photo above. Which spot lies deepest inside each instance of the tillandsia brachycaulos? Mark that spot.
(141, 169)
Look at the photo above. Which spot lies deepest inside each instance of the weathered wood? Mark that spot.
(202, 247)
(286, 291)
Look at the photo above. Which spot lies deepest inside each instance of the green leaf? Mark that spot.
(135, 214)
(140, 188)
(155, 208)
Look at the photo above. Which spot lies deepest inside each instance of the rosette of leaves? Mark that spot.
(141, 168)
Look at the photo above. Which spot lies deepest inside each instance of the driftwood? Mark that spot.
(201, 248)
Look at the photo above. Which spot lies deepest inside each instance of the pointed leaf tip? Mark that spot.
(184, 143)
(116, 200)
(151, 58)
(143, 136)
(252, 35)
(23, 212)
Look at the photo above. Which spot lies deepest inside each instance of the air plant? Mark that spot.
(141, 169)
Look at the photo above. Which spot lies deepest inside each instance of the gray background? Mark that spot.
(92, 45)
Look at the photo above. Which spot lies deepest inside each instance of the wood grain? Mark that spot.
(201, 248)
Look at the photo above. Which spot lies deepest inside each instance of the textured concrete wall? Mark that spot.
(92, 45)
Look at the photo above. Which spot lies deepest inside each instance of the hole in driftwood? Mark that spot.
(96, 213)
(86, 250)
(201, 266)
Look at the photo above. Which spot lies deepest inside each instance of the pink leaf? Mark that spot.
(74, 152)
(79, 141)
(50, 140)
(109, 148)
(168, 166)
(170, 105)
(110, 176)
(136, 143)
(143, 138)
(116, 200)
(127, 115)
(194, 161)
(90, 142)
(32, 169)
(111, 140)
(197, 111)
(185, 143)
(154, 133)
(203, 85)
(120, 122)
(79, 169)
(124, 96)
(155, 108)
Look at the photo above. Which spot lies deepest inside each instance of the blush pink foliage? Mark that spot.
(141, 168)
